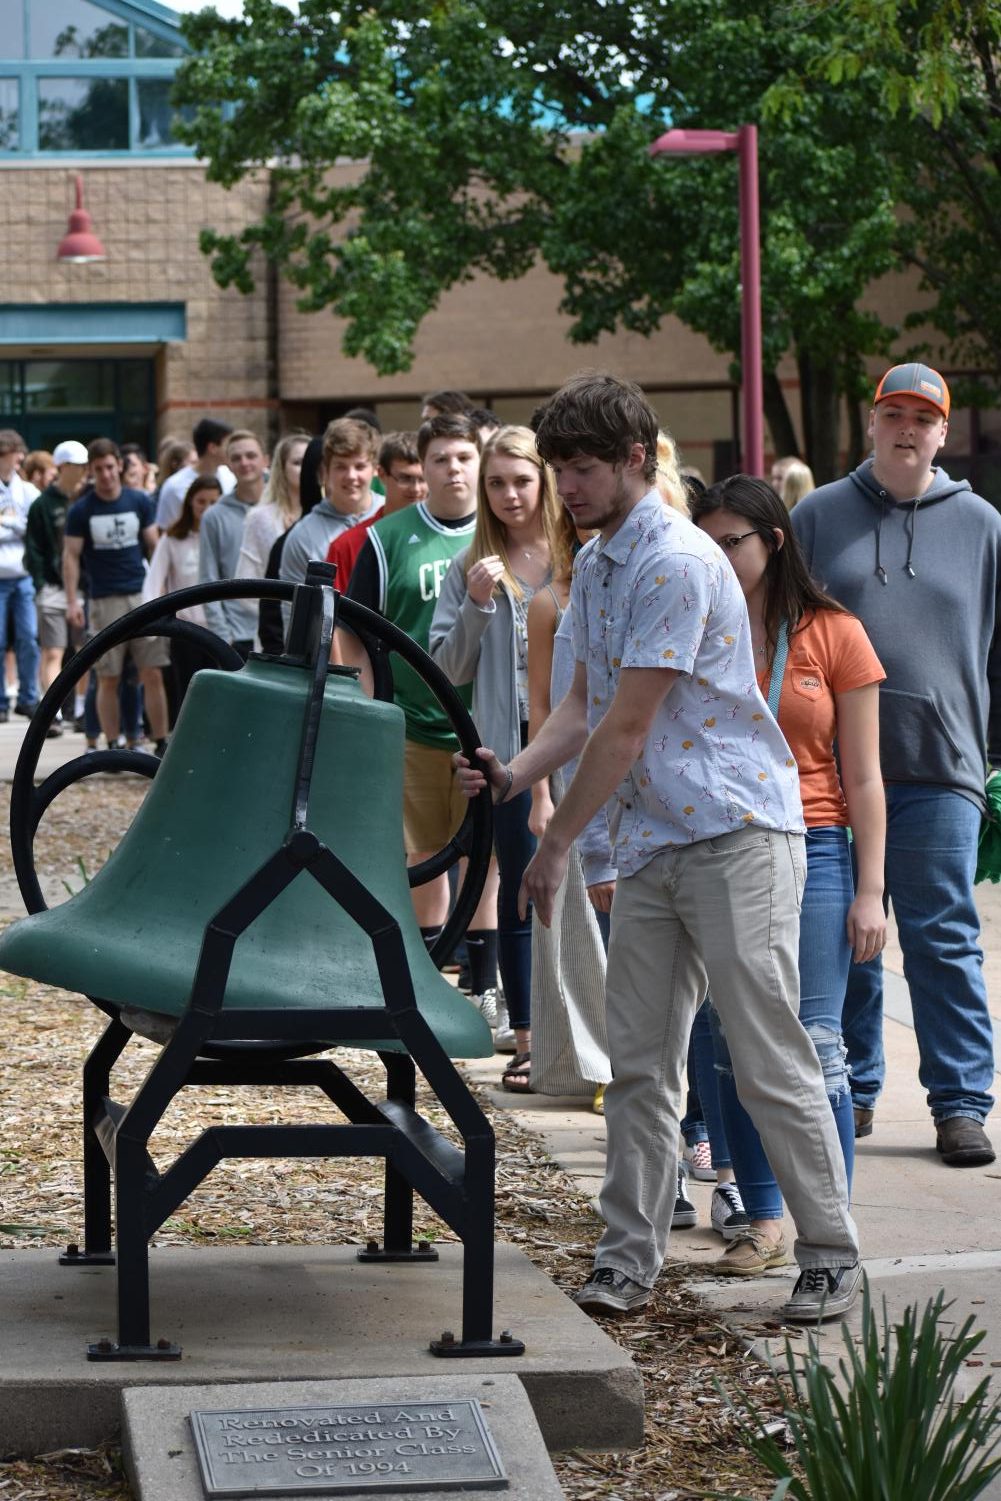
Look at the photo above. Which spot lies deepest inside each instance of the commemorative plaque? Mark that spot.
(347, 1450)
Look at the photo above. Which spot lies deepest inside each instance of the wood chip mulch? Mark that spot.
(691, 1449)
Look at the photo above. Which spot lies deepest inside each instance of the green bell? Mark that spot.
(218, 809)
(257, 912)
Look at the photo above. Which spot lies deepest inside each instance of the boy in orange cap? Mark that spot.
(917, 556)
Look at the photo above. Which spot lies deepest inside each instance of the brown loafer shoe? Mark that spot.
(749, 1254)
(963, 1142)
(863, 1121)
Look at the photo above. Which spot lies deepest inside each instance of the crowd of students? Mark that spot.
(682, 731)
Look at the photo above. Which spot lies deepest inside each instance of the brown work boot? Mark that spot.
(963, 1142)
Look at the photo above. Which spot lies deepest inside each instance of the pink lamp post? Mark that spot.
(745, 142)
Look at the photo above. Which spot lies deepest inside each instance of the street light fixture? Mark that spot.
(745, 143)
(80, 244)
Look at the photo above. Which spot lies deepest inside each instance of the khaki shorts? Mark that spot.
(145, 651)
(53, 628)
(433, 803)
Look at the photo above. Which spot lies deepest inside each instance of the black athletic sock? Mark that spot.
(481, 946)
(431, 935)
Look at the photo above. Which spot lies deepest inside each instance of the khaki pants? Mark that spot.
(723, 913)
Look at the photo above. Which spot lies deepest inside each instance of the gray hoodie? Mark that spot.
(308, 540)
(924, 577)
(219, 540)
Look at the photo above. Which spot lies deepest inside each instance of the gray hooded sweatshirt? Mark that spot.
(924, 578)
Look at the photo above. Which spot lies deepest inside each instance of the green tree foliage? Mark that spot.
(444, 142)
(489, 134)
(938, 62)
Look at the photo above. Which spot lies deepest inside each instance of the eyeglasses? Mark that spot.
(730, 544)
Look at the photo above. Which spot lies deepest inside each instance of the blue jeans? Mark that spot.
(824, 962)
(694, 1126)
(18, 597)
(702, 1063)
(514, 846)
(931, 858)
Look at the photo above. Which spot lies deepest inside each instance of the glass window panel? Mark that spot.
(81, 114)
(10, 388)
(12, 24)
(134, 388)
(148, 44)
(9, 114)
(75, 28)
(156, 114)
(69, 385)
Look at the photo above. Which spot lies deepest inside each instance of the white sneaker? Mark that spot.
(727, 1214)
(504, 1038)
(486, 1005)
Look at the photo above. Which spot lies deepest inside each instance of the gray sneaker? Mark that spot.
(606, 1291)
(823, 1293)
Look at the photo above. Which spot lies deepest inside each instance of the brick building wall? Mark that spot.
(148, 216)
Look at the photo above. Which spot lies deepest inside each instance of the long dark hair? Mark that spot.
(790, 592)
(187, 522)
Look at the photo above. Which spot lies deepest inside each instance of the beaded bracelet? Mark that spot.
(507, 789)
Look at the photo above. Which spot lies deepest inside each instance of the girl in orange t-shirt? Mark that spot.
(826, 680)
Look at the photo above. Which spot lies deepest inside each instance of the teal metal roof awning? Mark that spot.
(93, 322)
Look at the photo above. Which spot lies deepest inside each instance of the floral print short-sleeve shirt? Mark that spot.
(660, 593)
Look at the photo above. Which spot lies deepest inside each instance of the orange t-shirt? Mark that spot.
(829, 653)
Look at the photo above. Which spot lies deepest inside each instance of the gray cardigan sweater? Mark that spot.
(475, 644)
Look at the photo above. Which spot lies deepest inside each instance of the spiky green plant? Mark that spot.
(84, 876)
(889, 1425)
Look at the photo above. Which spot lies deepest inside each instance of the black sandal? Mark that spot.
(517, 1076)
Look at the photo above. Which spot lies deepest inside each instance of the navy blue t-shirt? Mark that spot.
(111, 532)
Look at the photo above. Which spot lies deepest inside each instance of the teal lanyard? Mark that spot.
(778, 669)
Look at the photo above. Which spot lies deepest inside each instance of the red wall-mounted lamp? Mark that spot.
(80, 244)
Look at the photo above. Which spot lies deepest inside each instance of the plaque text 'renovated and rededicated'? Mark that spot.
(389, 1446)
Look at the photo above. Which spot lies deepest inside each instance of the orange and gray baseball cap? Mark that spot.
(915, 380)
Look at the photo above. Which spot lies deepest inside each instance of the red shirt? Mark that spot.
(829, 653)
(344, 549)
